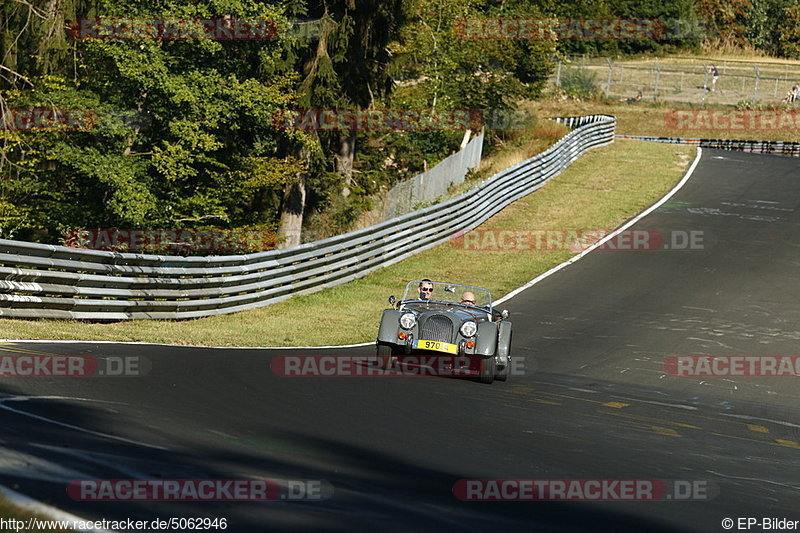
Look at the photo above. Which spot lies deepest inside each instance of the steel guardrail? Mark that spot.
(50, 281)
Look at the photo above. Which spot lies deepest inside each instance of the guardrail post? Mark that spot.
(610, 72)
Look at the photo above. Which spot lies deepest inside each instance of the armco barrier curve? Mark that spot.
(760, 147)
(46, 281)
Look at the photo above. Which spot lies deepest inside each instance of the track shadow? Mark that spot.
(371, 489)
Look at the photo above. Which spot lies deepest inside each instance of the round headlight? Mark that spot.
(408, 321)
(469, 328)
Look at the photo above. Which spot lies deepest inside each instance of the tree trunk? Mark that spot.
(291, 223)
(292, 208)
(52, 47)
(344, 161)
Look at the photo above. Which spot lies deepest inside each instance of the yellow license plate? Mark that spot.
(436, 346)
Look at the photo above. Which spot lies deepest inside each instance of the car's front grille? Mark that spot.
(437, 328)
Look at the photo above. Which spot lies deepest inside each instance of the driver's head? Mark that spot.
(425, 289)
(468, 298)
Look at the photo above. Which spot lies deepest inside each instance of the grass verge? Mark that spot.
(600, 190)
(11, 512)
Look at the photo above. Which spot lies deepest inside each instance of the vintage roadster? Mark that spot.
(447, 318)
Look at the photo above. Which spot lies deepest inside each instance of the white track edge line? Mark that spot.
(508, 296)
(608, 237)
(135, 343)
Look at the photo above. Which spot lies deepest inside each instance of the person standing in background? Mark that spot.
(712, 69)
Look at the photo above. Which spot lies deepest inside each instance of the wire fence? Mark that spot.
(688, 80)
(430, 185)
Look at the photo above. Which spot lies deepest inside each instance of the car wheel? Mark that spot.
(385, 354)
(488, 369)
(502, 375)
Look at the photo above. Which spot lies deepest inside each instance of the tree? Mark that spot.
(789, 31)
(345, 67)
(185, 133)
(454, 67)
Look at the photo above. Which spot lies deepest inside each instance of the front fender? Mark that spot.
(504, 339)
(390, 325)
(486, 343)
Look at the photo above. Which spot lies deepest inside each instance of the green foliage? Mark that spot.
(184, 135)
(746, 104)
(454, 71)
(771, 26)
(181, 133)
(789, 31)
(579, 83)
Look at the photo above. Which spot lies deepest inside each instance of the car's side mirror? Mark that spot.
(392, 300)
(505, 314)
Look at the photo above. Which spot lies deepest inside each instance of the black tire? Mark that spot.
(385, 355)
(488, 369)
(502, 375)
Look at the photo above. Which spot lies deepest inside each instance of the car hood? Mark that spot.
(460, 314)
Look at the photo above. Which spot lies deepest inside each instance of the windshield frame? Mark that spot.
(411, 295)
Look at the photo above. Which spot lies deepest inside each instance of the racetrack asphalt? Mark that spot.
(593, 402)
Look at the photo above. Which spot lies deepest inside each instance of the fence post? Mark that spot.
(658, 77)
(610, 72)
(558, 74)
(755, 85)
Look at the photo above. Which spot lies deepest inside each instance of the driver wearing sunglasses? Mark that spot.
(425, 289)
